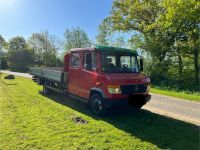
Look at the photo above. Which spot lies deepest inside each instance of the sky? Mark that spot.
(23, 17)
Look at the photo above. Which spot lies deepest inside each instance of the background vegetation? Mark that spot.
(165, 33)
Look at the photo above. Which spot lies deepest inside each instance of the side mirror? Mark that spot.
(141, 64)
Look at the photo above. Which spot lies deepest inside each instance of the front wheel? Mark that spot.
(97, 105)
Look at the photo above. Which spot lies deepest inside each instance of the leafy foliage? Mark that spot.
(76, 38)
(3, 58)
(168, 33)
(19, 55)
(45, 48)
(103, 33)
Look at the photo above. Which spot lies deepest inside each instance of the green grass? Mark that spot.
(31, 120)
(182, 95)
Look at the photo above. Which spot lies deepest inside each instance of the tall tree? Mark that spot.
(167, 30)
(140, 16)
(120, 42)
(182, 17)
(19, 55)
(35, 44)
(45, 48)
(3, 54)
(104, 32)
(2, 42)
(76, 38)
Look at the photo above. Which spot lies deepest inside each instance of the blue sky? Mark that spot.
(23, 17)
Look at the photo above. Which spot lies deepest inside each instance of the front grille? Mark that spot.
(134, 88)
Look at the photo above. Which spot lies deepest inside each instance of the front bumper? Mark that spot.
(124, 101)
(115, 102)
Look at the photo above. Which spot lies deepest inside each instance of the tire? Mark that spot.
(45, 90)
(97, 105)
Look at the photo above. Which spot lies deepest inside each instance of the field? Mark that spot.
(31, 120)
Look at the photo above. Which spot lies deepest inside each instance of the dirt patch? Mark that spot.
(10, 77)
(79, 120)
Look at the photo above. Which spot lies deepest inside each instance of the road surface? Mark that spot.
(172, 107)
(26, 75)
(176, 108)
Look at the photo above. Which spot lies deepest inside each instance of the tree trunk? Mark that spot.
(196, 60)
(196, 66)
(180, 68)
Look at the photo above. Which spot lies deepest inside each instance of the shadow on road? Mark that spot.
(165, 132)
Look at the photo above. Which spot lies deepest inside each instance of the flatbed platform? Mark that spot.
(51, 73)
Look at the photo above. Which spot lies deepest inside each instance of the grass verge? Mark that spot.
(31, 120)
(183, 95)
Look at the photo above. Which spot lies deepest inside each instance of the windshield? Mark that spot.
(119, 63)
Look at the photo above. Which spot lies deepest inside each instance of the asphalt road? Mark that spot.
(168, 106)
(176, 108)
(26, 75)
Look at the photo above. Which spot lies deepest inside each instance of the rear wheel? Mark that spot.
(97, 105)
(46, 90)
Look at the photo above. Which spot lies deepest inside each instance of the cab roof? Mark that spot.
(103, 48)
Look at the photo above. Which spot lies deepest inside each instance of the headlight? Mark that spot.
(114, 89)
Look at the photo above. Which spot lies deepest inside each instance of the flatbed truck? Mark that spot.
(101, 76)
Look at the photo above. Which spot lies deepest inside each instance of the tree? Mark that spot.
(3, 54)
(19, 55)
(104, 32)
(182, 17)
(119, 42)
(34, 43)
(140, 16)
(167, 30)
(76, 38)
(2, 42)
(45, 48)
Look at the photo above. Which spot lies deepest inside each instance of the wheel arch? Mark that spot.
(96, 90)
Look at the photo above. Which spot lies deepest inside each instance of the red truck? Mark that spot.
(101, 76)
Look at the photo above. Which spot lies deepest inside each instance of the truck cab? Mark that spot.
(106, 76)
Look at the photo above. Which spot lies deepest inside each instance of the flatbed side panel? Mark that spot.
(54, 68)
(53, 75)
(36, 71)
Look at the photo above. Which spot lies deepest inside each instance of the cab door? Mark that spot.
(74, 75)
(88, 73)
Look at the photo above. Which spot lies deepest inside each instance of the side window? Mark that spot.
(94, 61)
(75, 60)
(125, 60)
(90, 61)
